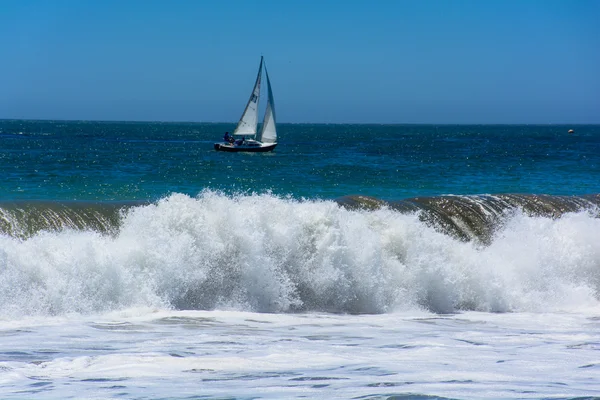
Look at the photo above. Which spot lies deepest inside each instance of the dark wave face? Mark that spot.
(271, 254)
(474, 217)
(22, 219)
(479, 216)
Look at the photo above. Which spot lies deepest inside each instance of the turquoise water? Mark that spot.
(58, 160)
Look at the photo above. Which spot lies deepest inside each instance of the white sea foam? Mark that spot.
(221, 354)
(270, 254)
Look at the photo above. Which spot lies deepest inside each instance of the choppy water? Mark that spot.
(422, 262)
(125, 161)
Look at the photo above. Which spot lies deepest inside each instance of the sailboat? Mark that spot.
(246, 137)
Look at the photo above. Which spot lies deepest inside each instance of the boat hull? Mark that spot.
(233, 148)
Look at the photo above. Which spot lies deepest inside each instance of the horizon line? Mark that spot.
(298, 123)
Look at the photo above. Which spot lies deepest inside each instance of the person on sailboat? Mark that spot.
(227, 138)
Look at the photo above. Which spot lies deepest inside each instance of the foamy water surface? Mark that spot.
(228, 354)
(266, 297)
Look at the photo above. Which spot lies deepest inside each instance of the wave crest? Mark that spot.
(270, 254)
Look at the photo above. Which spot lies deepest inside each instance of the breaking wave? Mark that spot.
(271, 254)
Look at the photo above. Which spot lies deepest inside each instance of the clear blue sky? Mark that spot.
(512, 61)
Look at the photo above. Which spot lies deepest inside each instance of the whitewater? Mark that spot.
(264, 296)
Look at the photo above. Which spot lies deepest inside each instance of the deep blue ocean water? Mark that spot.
(83, 160)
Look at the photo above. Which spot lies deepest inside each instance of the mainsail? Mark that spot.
(249, 120)
(268, 133)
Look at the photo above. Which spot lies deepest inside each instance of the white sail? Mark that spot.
(249, 120)
(268, 133)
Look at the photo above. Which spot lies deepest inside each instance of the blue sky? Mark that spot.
(512, 61)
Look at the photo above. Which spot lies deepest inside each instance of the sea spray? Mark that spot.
(271, 254)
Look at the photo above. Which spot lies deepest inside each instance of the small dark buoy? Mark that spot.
(571, 131)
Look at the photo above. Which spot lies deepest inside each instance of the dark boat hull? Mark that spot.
(246, 149)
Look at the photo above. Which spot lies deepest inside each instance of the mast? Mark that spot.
(249, 119)
(268, 132)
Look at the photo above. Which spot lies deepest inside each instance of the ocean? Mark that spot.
(353, 262)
